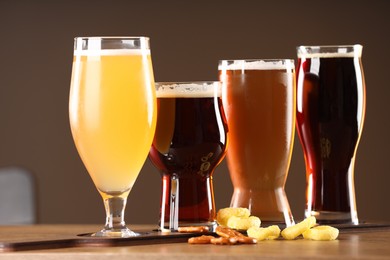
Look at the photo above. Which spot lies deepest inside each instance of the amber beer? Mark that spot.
(259, 101)
(189, 143)
(330, 115)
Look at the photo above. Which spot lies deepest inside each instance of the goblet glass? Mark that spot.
(112, 110)
(190, 142)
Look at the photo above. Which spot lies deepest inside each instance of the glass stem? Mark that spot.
(115, 209)
(174, 204)
(115, 216)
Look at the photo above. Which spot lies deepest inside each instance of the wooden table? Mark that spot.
(362, 243)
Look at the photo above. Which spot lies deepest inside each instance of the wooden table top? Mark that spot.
(362, 243)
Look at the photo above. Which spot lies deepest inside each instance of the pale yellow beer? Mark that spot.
(111, 120)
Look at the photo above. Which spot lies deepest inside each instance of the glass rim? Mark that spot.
(257, 64)
(188, 89)
(200, 83)
(111, 45)
(352, 50)
(110, 37)
(254, 59)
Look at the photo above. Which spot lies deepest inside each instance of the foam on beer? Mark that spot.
(111, 52)
(257, 65)
(188, 90)
(342, 52)
(327, 55)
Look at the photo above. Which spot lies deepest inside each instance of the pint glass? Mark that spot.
(330, 114)
(259, 101)
(189, 143)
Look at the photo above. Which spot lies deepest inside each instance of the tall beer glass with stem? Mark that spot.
(259, 100)
(331, 105)
(112, 111)
(190, 141)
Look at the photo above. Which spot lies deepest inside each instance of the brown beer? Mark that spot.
(330, 115)
(259, 102)
(190, 141)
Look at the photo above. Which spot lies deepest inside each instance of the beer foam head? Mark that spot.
(256, 65)
(112, 46)
(346, 51)
(188, 89)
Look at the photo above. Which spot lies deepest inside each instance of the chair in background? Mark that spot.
(17, 196)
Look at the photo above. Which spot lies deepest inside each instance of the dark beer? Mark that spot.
(190, 141)
(330, 115)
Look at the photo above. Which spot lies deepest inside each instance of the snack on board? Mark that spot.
(227, 236)
(269, 233)
(239, 218)
(322, 233)
(200, 240)
(224, 214)
(223, 241)
(193, 229)
(227, 232)
(294, 231)
(230, 233)
(243, 223)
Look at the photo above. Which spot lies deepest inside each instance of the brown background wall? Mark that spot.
(188, 38)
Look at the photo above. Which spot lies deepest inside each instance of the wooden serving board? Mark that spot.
(85, 240)
(39, 237)
(361, 227)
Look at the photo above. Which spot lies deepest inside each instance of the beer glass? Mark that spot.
(259, 101)
(112, 110)
(189, 143)
(331, 103)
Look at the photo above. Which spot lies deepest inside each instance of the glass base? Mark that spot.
(211, 225)
(271, 206)
(124, 232)
(333, 217)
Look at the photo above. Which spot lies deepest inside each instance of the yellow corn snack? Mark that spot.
(243, 223)
(271, 232)
(294, 231)
(323, 233)
(224, 214)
